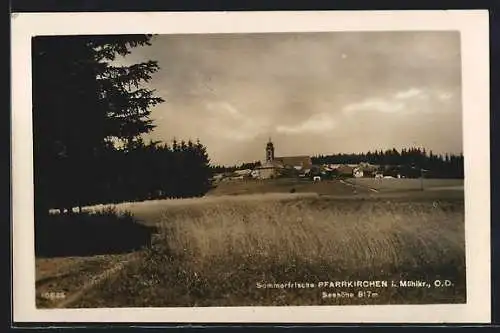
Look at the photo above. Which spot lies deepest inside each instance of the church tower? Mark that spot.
(269, 151)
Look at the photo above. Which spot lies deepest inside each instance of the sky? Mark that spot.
(312, 93)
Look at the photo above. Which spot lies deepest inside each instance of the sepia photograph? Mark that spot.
(249, 169)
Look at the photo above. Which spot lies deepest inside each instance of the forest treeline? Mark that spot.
(89, 116)
(150, 171)
(435, 165)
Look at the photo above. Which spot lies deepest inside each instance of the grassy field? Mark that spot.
(399, 184)
(279, 189)
(242, 187)
(222, 250)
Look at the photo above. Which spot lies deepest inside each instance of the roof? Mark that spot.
(265, 167)
(243, 172)
(268, 165)
(302, 161)
(344, 168)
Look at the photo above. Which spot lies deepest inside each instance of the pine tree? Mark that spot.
(203, 172)
(82, 105)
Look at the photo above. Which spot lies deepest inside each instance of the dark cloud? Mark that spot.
(312, 92)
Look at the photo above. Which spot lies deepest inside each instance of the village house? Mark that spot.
(243, 173)
(358, 172)
(345, 170)
(362, 169)
(276, 166)
(217, 177)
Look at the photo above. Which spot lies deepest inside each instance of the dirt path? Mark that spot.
(358, 186)
(62, 281)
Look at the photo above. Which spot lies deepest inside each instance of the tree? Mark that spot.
(408, 162)
(203, 172)
(82, 106)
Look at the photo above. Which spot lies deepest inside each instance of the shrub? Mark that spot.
(101, 232)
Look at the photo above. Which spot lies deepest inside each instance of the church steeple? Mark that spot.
(269, 151)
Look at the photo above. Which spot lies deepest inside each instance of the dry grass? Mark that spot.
(399, 184)
(214, 253)
(377, 236)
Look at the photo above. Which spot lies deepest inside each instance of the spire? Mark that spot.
(269, 151)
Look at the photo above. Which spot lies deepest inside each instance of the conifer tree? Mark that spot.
(82, 105)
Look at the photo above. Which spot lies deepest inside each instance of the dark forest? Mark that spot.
(89, 117)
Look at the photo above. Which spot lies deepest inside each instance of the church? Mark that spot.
(273, 166)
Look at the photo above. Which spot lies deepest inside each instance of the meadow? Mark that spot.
(401, 184)
(220, 251)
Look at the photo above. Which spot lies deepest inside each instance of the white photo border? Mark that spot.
(474, 29)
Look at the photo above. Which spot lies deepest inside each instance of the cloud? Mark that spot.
(375, 104)
(233, 91)
(444, 96)
(411, 100)
(227, 122)
(225, 109)
(410, 93)
(318, 123)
